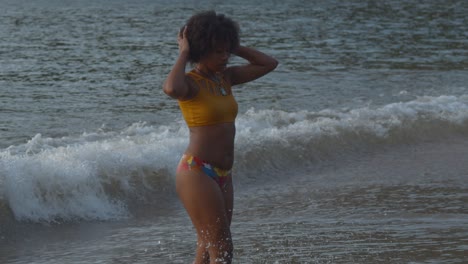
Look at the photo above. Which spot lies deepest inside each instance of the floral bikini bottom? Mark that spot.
(189, 162)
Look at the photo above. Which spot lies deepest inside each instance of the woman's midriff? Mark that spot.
(213, 144)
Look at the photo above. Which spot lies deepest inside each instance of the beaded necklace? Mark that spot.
(216, 79)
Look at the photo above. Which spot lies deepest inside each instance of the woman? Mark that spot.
(203, 178)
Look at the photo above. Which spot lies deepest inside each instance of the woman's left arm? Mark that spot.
(259, 65)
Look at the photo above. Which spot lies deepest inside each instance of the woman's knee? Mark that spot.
(227, 247)
(220, 250)
(220, 245)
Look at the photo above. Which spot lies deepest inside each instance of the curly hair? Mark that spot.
(206, 30)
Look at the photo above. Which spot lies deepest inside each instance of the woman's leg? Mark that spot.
(205, 203)
(228, 195)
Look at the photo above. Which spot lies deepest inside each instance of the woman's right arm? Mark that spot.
(176, 84)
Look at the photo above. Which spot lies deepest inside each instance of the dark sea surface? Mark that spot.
(354, 150)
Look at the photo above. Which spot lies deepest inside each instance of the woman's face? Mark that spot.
(217, 59)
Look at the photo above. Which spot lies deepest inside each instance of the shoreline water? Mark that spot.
(390, 205)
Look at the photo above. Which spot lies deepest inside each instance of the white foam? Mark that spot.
(280, 125)
(66, 178)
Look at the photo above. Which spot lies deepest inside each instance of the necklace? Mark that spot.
(214, 78)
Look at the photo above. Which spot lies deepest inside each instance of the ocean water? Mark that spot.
(354, 150)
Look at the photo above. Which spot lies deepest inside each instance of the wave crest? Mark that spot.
(102, 175)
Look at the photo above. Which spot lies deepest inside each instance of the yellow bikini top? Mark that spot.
(213, 104)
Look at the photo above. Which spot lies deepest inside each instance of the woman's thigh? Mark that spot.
(205, 202)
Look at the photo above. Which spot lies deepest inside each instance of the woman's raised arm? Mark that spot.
(259, 65)
(176, 85)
